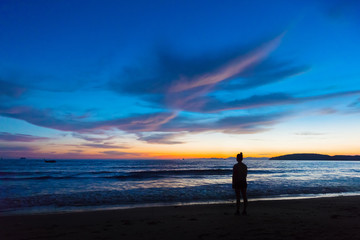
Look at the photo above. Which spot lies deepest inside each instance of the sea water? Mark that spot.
(70, 185)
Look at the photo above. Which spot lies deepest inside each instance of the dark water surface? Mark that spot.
(67, 185)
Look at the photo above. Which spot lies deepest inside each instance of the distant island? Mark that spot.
(314, 156)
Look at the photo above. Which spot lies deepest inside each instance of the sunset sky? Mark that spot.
(178, 79)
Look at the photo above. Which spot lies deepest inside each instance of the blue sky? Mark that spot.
(169, 79)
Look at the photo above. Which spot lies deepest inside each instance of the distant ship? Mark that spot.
(22, 158)
(50, 161)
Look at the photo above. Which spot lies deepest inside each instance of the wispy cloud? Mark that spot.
(160, 122)
(5, 149)
(327, 111)
(46, 118)
(243, 124)
(258, 101)
(9, 137)
(76, 150)
(104, 145)
(168, 122)
(43, 118)
(92, 139)
(267, 72)
(353, 107)
(179, 78)
(17, 151)
(228, 70)
(140, 123)
(179, 86)
(161, 138)
(120, 154)
(309, 133)
(355, 104)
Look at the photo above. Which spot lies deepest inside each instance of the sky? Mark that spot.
(178, 79)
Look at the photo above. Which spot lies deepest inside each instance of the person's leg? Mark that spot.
(244, 196)
(237, 192)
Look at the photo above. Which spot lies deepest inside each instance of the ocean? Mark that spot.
(77, 185)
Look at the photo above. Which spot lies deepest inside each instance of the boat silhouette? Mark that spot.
(50, 161)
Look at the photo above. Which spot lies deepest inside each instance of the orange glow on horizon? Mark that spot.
(96, 154)
(207, 147)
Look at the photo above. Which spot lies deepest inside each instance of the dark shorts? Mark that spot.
(239, 185)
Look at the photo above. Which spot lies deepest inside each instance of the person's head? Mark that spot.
(239, 157)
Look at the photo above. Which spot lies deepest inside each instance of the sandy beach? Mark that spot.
(320, 218)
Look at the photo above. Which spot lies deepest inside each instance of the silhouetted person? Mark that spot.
(239, 183)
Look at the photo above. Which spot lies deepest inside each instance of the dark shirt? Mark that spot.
(239, 175)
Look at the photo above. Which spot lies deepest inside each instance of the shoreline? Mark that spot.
(78, 209)
(321, 218)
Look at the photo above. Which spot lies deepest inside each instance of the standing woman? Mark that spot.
(239, 183)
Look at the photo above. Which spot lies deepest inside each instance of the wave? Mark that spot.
(101, 172)
(20, 173)
(37, 178)
(164, 195)
(135, 175)
(164, 173)
(190, 173)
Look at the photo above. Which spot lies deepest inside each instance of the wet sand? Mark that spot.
(321, 218)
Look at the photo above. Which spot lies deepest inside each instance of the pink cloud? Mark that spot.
(183, 92)
(227, 71)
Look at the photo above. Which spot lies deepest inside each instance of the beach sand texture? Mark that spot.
(320, 218)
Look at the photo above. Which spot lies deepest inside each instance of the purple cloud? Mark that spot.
(166, 122)
(43, 118)
(173, 73)
(228, 70)
(212, 104)
(16, 148)
(266, 72)
(177, 84)
(92, 139)
(140, 123)
(46, 118)
(160, 122)
(17, 151)
(235, 124)
(180, 84)
(4, 136)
